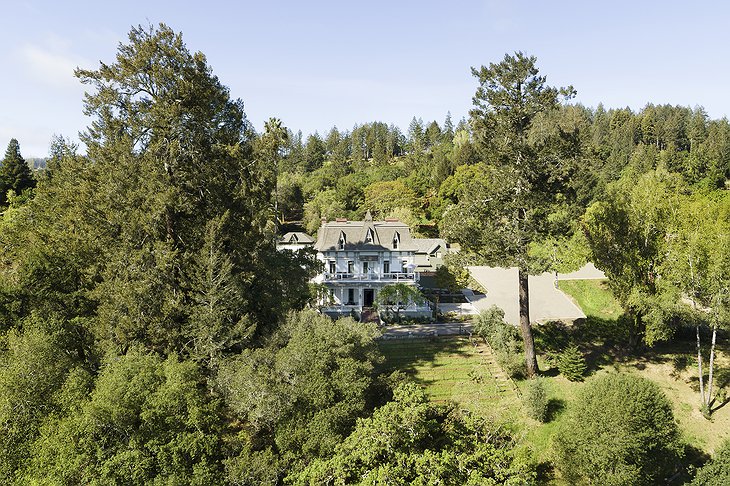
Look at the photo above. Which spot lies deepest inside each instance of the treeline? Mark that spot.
(414, 176)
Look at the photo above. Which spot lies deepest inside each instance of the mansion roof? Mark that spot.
(367, 235)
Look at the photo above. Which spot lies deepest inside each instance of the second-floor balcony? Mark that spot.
(372, 276)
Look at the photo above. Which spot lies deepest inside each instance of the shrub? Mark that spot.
(619, 431)
(536, 399)
(504, 340)
(717, 471)
(571, 363)
(513, 364)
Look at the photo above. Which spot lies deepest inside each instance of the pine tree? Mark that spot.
(571, 363)
(15, 174)
(521, 195)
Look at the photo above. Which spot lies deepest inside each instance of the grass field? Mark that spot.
(456, 369)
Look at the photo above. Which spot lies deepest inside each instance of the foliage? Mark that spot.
(394, 298)
(619, 431)
(524, 194)
(302, 393)
(536, 399)
(717, 471)
(161, 234)
(147, 420)
(572, 364)
(410, 441)
(503, 338)
(15, 175)
(383, 197)
(627, 232)
(34, 366)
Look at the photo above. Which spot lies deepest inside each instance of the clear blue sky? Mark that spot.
(316, 64)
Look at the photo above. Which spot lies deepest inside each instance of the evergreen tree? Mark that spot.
(524, 194)
(571, 363)
(15, 174)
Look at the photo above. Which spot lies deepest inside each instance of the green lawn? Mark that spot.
(453, 369)
(593, 297)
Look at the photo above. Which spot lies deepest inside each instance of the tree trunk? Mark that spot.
(712, 365)
(699, 367)
(636, 330)
(525, 327)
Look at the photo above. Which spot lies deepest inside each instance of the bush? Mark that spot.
(536, 399)
(619, 431)
(571, 363)
(504, 339)
(717, 471)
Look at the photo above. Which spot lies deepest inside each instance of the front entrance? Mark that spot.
(368, 297)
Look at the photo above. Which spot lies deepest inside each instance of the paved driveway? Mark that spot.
(546, 302)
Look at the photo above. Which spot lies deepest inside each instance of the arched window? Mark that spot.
(396, 240)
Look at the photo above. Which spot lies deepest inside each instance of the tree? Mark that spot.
(619, 431)
(147, 420)
(33, 367)
(697, 263)
(314, 152)
(445, 280)
(303, 391)
(269, 147)
(15, 175)
(524, 194)
(411, 441)
(169, 185)
(626, 232)
(397, 297)
(384, 196)
(572, 364)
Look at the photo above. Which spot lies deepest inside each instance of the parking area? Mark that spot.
(546, 301)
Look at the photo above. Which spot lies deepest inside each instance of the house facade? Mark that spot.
(362, 257)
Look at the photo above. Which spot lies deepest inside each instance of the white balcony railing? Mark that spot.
(373, 276)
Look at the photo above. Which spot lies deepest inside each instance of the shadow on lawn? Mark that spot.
(406, 355)
(555, 408)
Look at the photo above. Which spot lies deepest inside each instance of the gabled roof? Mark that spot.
(429, 246)
(296, 237)
(356, 232)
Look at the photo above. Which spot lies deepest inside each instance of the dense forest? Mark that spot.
(150, 332)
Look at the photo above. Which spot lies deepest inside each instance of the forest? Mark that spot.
(151, 333)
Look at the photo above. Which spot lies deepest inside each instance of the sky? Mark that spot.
(318, 64)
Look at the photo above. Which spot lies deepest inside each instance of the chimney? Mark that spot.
(392, 220)
(341, 220)
(323, 220)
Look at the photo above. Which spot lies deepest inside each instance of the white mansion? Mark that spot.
(361, 257)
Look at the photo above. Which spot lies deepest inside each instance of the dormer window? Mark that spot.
(369, 236)
(396, 240)
(341, 242)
